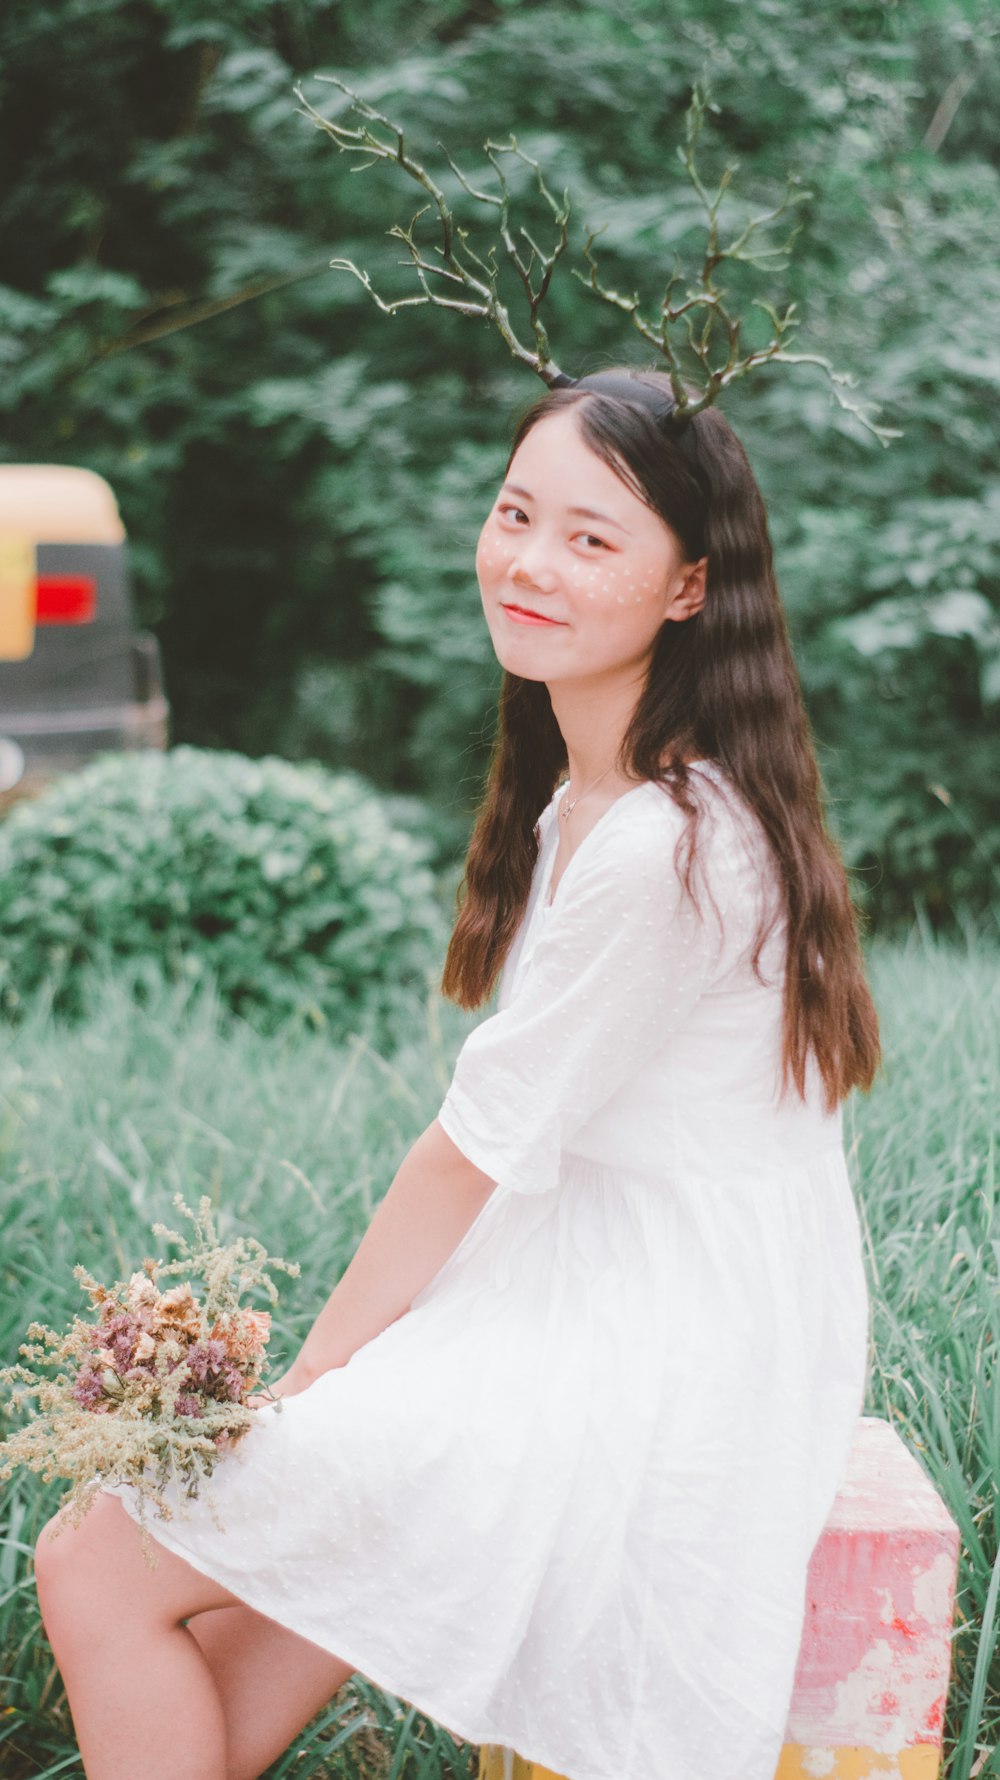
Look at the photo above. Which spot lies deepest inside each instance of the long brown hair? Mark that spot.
(722, 685)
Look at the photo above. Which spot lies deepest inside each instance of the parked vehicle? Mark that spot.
(76, 675)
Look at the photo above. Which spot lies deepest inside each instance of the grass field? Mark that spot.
(100, 1125)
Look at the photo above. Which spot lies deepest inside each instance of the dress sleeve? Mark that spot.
(621, 960)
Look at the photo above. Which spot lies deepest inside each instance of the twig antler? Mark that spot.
(458, 267)
(702, 309)
(459, 277)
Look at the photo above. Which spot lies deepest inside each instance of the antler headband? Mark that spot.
(691, 317)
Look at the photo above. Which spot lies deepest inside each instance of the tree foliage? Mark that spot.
(303, 477)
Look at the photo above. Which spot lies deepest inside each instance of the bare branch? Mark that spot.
(363, 278)
(535, 293)
(459, 264)
(696, 335)
(947, 108)
(155, 325)
(480, 197)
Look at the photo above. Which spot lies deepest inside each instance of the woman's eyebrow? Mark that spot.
(578, 512)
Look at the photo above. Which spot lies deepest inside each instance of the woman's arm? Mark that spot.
(434, 1197)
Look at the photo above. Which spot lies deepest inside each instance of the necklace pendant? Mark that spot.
(570, 803)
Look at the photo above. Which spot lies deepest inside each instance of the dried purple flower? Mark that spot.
(88, 1389)
(233, 1381)
(203, 1358)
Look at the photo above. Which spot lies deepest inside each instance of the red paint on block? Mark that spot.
(874, 1660)
(66, 599)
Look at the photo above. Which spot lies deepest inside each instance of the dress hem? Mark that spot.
(378, 1675)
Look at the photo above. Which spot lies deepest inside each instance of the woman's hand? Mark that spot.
(289, 1384)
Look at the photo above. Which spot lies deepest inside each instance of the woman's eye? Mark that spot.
(517, 517)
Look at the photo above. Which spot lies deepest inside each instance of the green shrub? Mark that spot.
(286, 883)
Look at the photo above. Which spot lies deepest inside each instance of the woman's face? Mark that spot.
(569, 541)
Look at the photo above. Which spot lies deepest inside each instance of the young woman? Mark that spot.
(555, 1454)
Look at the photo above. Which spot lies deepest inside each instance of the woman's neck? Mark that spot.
(592, 721)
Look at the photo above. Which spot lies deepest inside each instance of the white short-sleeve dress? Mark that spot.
(566, 1502)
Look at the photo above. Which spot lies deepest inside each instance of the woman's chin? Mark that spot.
(522, 663)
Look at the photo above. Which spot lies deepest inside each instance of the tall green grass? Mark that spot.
(923, 1149)
(100, 1125)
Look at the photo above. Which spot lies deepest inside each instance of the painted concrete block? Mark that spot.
(868, 1699)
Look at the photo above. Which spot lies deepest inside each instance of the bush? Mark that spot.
(287, 883)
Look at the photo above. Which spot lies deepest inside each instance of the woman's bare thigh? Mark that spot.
(86, 1569)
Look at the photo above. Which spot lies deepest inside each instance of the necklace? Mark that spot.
(569, 803)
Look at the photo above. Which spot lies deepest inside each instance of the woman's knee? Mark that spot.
(59, 1579)
(96, 1574)
(55, 1549)
(81, 1566)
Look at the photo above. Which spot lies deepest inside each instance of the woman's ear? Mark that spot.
(689, 595)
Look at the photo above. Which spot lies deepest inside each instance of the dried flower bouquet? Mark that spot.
(156, 1387)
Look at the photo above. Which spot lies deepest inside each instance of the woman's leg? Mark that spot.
(141, 1689)
(270, 1681)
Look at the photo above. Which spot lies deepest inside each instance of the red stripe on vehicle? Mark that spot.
(66, 599)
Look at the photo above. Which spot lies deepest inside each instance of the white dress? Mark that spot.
(566, 1503)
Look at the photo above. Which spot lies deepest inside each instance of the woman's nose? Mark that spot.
(529, 567)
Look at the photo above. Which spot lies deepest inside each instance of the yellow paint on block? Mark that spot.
(804, 1761)
(503, 1764)
(17, 596)
(799, 1761)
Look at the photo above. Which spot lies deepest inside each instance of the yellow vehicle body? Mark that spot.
(76, 675)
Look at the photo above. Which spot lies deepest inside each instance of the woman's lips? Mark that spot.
(521, 617)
